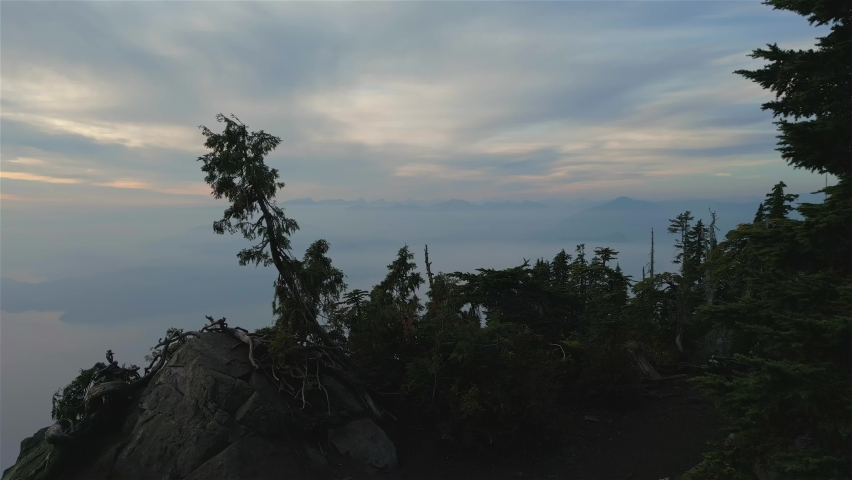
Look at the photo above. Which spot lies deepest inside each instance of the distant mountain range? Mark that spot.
(438, 205)
(629, 220)
(622, 220)
(620, 202)
(197, 269)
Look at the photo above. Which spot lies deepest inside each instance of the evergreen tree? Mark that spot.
(321, 284)
(791, 280)
(236, 170)
(579, 272)
(709, 285)
(560, 269)
(680, 226)
(605, 255)
(778, 203)
(353, 300)
(69, 403)
(790, 311)
(694, 252)
(760, 215)
(541, 272)
(403, 281)
(812, 89)
(385, 337)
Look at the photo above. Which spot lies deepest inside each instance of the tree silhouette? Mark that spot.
(236, 170)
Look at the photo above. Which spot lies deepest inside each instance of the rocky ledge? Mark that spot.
(209, 414)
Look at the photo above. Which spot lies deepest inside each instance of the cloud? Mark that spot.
(46, 89)
(478, 99)
(9, 197)
(436, 171)
(27, 161)
(126, 183)
(91, 177)
(32, 177)
(196, 188)
(133, 135)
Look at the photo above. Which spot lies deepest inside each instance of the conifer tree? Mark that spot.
(790, 303)
(694, 251)
(680, 226)
(561, 269)
(812, 89)
(236, 170)
(605, 255)
(760, 215)
(709, 285)
(779, 204)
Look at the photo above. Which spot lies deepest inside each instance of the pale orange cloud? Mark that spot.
(125, 183)
(194, 188)
(33, 177)
(27, 161)
(131, 135)
(8, 197)
(191, 188)
(187, 188)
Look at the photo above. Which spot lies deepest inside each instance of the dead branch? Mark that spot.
(560, 348)
(642, 360)
(322, 387)
(239, 333)
(428, 266)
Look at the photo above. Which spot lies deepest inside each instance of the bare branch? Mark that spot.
(428, 266)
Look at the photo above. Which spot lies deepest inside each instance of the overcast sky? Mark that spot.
(477, 100)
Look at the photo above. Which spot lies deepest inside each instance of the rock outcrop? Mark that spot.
(209, 414)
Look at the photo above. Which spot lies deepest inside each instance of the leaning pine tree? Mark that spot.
(789, 282)
(236, 170)
(299, 349)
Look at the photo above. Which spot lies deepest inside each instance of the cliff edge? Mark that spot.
(208, 414)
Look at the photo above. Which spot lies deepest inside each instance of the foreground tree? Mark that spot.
(789, 282)
(236, 170)
(813, 85)
(307, 292)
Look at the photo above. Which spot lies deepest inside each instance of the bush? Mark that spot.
(69, 403)
(489, 386)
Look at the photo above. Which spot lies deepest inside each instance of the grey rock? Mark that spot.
(315, 459)
(250, 458)
(261, 417)
(36, 459)
(366, 442)
(347, 404)
(208, 414)
(187, 411)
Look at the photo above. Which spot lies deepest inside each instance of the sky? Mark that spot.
(105, 214)
(475, 100)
